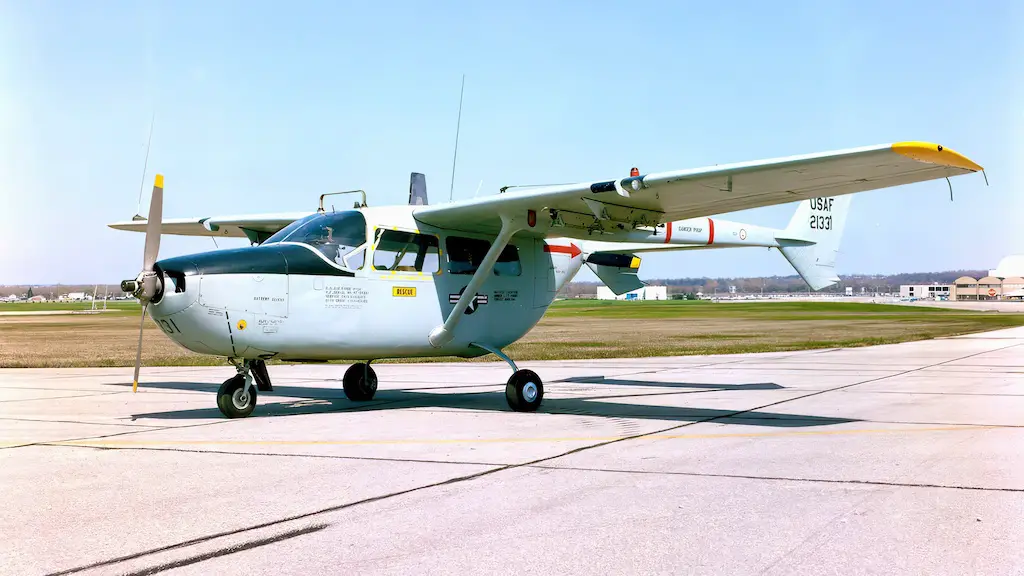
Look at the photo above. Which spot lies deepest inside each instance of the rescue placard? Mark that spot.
(409, 291)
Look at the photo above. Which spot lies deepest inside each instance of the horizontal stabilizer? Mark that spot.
(617, 271)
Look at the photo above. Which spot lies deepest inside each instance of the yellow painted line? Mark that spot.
(935, 154)
(436, 441)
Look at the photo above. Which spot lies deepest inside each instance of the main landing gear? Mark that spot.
(236, 397)
(524, 390)
(360, 382)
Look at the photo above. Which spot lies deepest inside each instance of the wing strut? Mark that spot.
(443, 334)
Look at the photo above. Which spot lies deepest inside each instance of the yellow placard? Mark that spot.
(409, 291)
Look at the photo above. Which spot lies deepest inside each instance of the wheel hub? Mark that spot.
(529, 392)
(240, 399)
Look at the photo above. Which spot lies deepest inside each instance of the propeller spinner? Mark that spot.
(147, 286)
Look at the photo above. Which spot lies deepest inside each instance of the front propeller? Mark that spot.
(147, 287)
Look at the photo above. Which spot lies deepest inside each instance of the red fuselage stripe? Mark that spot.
(711, 231)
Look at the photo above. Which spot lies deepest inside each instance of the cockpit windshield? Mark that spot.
(337, 235)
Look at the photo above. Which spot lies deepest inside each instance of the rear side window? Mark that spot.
(400, 251)
(465, 255)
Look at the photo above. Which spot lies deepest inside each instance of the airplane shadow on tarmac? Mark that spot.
(300, 400)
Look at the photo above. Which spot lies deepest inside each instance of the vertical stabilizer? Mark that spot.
(811, 241)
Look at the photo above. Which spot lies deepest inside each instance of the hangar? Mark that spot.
(1006, 282)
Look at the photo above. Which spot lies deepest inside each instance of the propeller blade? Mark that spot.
(138, 352)
(156, 206)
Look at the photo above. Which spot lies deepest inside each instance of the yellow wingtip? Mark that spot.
(159, 181)
(935, 154)
(135, 385)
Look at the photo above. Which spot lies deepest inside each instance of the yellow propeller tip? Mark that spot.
(159, 181)
(135, 385)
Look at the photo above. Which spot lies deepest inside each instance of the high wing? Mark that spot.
(257, 225)
(611, 206)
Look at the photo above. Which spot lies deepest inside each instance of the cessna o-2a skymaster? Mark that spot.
(469, 278)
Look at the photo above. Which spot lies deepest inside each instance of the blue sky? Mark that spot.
(262, 106)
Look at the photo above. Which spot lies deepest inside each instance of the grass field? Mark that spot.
(572, 329)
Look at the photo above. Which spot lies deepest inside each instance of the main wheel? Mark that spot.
(524, 391)
(233, 400)
(360, 382)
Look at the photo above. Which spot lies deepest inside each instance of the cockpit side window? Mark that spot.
(406, 252)
(334, 234)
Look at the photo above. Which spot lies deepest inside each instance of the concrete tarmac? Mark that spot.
(902, 459)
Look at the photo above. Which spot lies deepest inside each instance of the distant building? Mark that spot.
(929, 291)
(1006, 282)
(645, 293)
(37, 299)
(988, 288)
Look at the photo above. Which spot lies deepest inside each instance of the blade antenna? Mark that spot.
(986, 177)
(950, 188)
(145, 165)
(458, 126)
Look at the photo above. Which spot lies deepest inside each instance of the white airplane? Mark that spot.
(469, 278)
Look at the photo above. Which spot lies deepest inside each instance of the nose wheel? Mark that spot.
(235, 398)
(524, 391)
(360, 382)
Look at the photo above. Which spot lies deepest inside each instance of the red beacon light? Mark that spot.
(634, 172)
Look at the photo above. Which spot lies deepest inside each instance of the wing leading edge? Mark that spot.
(222, 226)
(614, 205)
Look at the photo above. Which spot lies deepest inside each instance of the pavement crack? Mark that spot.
(271, 523)
(67, 444)
(48, 420)
(139, 430)
(784, 478)
(61, 397)
(228, 550)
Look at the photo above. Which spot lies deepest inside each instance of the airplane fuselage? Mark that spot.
(290, 300)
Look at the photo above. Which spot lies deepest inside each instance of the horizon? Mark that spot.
(577, 280)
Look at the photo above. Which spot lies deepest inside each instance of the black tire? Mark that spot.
(524, 391)
(230, 400)
(360, 383)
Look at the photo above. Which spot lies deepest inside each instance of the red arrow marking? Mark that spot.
(572, 250)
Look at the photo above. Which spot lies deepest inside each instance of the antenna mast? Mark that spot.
(458, 126)
(145, 165)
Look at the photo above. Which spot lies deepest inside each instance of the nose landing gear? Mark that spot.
(236, 397)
